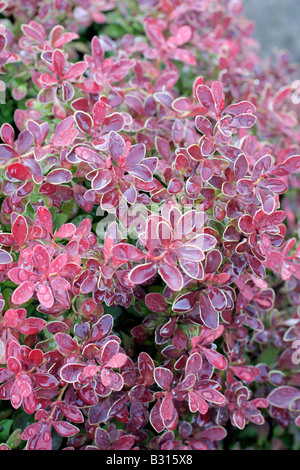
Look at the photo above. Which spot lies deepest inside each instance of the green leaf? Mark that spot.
(14, 439)
(5, 426)
(269, 356)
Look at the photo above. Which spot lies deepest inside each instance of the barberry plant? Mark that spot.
(150, 256)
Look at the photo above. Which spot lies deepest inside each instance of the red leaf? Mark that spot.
(58, 263)
(123, 443)
(72, 412)
(75, 70)
(120, 69)
(11, 318)
(156, 302)
(59, 176)
(14, 365)
(112, 379)
(109, 350)
(215, 358)
(8, 134)
(45, 380)
(47, 80)
(31, 326)
(65, 231)
(171, 275)
(30, 403)
(194, 364)
(44, 219)
(243, 107)
(142, 273)
(167, 407)
(7, 153)
(66, 344)
(84, 121)
(238, 419)
(212, 395)
(99, 113)
(117, 361)
(156, 419)
(102, 328)
(114, 122)
(36, 356)
(59, 60)
(206, 99)
(70, 372)
(65, 429)
(163, 377)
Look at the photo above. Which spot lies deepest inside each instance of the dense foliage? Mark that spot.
(150, 256)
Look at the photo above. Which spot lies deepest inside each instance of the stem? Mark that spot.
(59, 398)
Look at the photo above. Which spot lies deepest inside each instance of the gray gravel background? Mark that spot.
(277, 25)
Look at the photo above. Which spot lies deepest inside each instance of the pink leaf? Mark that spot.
(31, 326)
(156, 302)
(118, 360)
(171, 275)
(66, 344)
(7, 153)
(45, 296)
(167, 407)
(65, 231)
(5, 258)
(125, 252)
(75, 70)
(123, 443)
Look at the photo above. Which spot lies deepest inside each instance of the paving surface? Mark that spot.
(277, 25)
